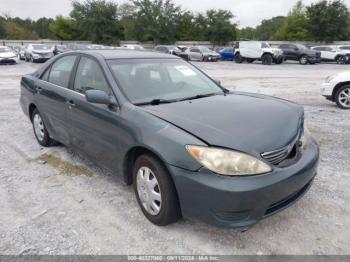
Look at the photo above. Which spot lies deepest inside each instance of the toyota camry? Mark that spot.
(189, 147)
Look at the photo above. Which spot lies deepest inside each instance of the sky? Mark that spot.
(247, 12)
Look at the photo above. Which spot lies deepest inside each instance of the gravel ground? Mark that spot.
(68, 206)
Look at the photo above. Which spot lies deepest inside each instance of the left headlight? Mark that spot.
(228, 162)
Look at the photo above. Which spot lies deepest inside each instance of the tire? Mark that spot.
(250, 60)
(40, 131)
(340, 97)
(279, 61)
(168, 207)
(303, 60)
(238, 58)
(340, 60)
(267, 59)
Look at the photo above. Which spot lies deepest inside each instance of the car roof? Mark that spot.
(127, 54)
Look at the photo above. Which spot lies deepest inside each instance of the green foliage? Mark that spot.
(42, 28)
(63, 28)
(268, 28)
(2, 27)
(17, 32)
(185, 27)
(295, 25)
(328, 20)
(246, 33)
(154, 21)
(220, 30)
(96, 20)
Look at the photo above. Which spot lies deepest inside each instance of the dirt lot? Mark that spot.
(68, 206)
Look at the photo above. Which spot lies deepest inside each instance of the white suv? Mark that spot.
(253, 50)
(337, 89)
(332, 54)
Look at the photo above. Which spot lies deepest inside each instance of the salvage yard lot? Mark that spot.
(53, 201)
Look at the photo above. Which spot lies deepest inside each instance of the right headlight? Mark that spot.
(228, 162)
(306, 137)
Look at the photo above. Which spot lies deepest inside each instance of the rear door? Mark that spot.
(195, 54)
(52, 90)
(95, 130)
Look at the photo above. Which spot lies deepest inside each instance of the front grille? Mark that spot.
(277, 156)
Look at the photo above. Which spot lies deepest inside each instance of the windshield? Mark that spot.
(205, 49)
(144, 80)
(42, 47)
(301, 46)
(5, 50)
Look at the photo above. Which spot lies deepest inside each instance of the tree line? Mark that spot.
(164, 22)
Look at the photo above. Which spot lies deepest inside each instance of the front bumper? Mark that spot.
(12, 60)
(314, 59)
(243, 201)
(327, 89)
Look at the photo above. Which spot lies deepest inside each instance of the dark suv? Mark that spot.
(300, 53)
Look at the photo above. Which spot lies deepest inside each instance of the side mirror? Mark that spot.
(98, 97)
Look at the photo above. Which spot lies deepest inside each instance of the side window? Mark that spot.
(61, 70)
(45, 76)
(90, 76)
(195, 50)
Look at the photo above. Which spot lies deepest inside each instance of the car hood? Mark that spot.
(246, 122)
(7, 55)
(42, 51)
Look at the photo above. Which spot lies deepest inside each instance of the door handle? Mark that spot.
(38, 89)
(70, 103)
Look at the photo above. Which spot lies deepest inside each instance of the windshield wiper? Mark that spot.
(155, 102)
(199, 96)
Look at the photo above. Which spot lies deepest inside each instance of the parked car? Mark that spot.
(336, 88)
(251, 51)
(38, 52)
(152, 119)
(59, 49)
(21, 53)
(134, 47)
(75, 47)
(8, 56)
(202, 53)
(170, 49)
(227, 53)
(301, 53)
(332, 54)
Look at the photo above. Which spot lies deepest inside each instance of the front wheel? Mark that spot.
(303, 60)
(267, 59)
(342, 97)
(155, 191)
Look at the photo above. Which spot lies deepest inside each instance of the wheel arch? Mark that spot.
(336, 88)
(31, 109)
(130, 158)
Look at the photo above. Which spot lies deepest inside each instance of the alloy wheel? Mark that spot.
(148, 190)
(344, 97)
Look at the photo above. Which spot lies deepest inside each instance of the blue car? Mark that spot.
(227, 53)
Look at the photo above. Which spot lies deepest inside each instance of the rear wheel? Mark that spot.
(342, 97)
(155, 191)
(40, 131)
(303, 60)
(340, 60)
(267, 59)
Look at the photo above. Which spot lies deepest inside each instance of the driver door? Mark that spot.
(95, 130)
